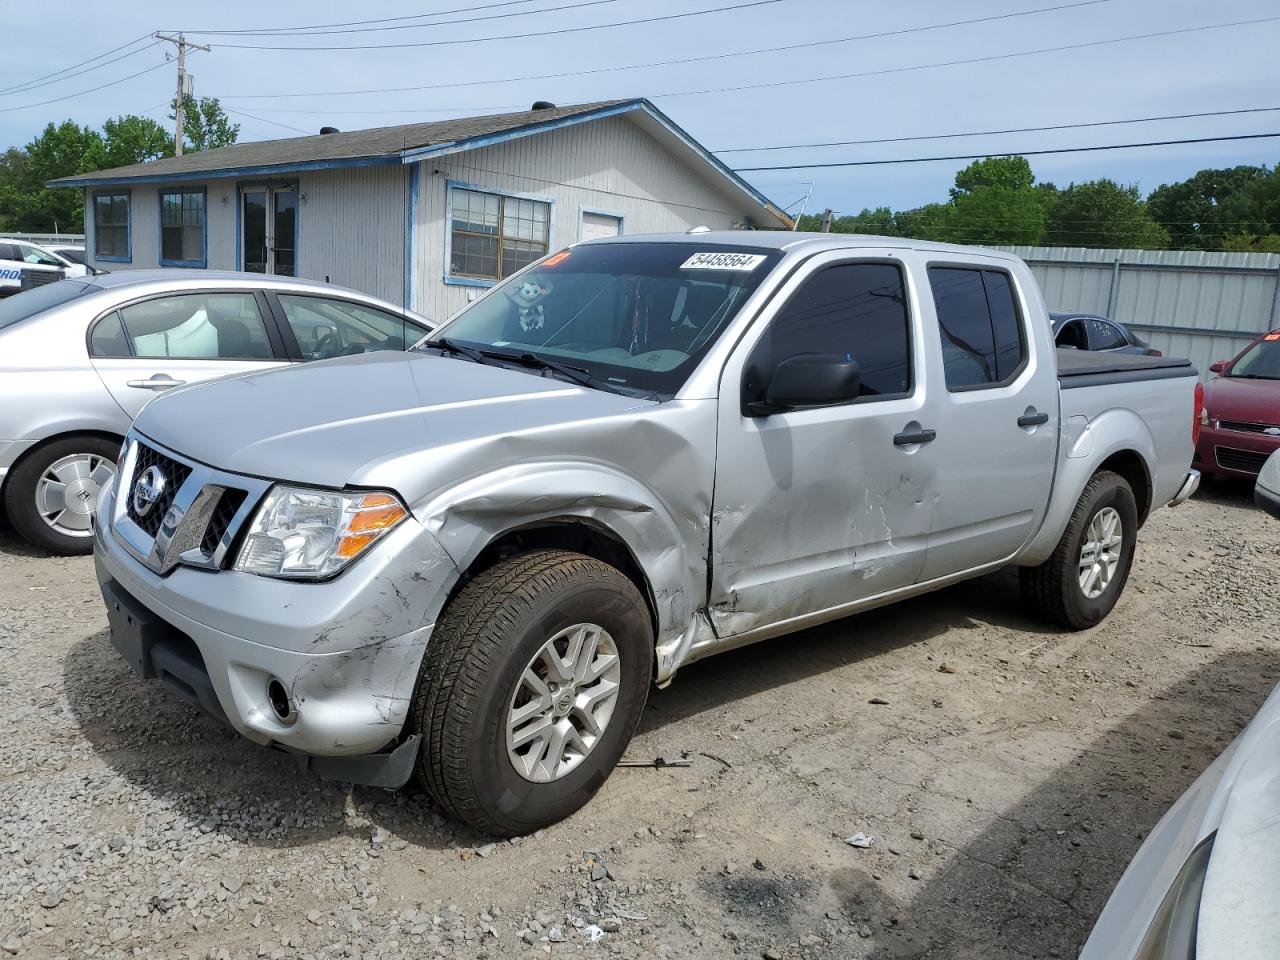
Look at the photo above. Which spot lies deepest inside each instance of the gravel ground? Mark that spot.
(1006, 773)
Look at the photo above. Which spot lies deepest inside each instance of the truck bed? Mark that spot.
(1082, 368)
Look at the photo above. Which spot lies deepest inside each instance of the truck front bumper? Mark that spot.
(345, 653)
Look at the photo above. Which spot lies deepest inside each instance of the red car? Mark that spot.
(1240, 423)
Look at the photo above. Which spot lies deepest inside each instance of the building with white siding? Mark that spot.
(420, 214)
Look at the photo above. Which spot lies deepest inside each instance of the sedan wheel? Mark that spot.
(67, 492)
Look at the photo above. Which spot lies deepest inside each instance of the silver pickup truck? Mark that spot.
(467, 564)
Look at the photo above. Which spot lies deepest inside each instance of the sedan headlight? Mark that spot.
(306, 534)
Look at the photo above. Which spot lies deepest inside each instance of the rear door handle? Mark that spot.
(1033, 419)
(157, 381)
(907, 438)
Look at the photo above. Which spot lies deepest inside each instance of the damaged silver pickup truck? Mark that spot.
(469, 563)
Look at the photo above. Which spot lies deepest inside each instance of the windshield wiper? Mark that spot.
(579, 375)
(456, 349)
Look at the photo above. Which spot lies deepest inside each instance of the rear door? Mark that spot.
(317, 327)
(153, 345)
(997, 417)
(819, 508)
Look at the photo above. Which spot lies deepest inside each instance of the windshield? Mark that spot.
(636, 317)
(20, 306)
(1261, 361)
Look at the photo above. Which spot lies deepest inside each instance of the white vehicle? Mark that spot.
(24, 264)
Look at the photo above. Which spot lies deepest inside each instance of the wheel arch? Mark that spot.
(54, 438)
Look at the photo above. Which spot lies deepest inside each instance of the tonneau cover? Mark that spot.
(1085, 368)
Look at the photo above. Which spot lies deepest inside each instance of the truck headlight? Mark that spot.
(306, 534)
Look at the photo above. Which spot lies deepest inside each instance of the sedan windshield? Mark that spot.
(634, 317)
(1261, 361)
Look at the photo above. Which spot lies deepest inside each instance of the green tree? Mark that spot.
(1252, 243)
(930, 222)
(1008, 173)
(1201, 211)
(133, 139)
(996, 201)
(205, 125)
(60, 151)
(12, 162)
(1101, 213)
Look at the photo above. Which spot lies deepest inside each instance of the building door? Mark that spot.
(269, 230)
(598, 225)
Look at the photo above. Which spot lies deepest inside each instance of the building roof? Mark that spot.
(407, 143)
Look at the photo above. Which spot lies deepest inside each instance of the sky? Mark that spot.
(900, 90)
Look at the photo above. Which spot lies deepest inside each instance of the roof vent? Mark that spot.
(328, 130)
(543, 105)
(700, 228)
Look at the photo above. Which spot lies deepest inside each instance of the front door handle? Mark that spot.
(1033, 419)
(908, 437)
(157, 381)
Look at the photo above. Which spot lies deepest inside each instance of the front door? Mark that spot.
(818, 509)
(269, 230)
(997, 420)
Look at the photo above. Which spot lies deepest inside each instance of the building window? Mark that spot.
(111, 226)
(491, 236)
(182, 228)
(597, 225)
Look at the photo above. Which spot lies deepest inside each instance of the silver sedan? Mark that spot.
(80, 358)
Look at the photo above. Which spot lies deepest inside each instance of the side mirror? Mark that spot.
(809, 380)
(1267, 492)
(1217, 366)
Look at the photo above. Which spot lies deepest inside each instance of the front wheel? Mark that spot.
(531, 687)
(1081, 582)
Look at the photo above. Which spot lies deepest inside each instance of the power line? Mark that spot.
(80, 93)
(513, 36)
(275, 123)
(300, 32)
(30, 84)
(79, 73)
(971, 60)
(786, 48)
(1006, 153)
(989, 133)
(263, 31)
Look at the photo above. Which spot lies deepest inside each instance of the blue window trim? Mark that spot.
(450, 186)
(92, 219)
(582, 215)
(203, 262)
(415, 186)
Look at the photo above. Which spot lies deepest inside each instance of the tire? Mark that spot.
(472, 680)
(78, 453)
(1054, 588)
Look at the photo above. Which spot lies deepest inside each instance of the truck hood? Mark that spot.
(360, 420)
(1238, 398)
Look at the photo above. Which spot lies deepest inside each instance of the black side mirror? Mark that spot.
(809, 380)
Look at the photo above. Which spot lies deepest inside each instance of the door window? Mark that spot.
(1105, 336)
(255, 231)
(854, 310)
(197, 326)
(333, 328)
(9, 251)
(982, 337)
(30, 254)
(1072, 335)
(286, 229)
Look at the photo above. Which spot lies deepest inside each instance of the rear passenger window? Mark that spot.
(856, 310)
(1105, 336)
(198, 326)
(978, 321)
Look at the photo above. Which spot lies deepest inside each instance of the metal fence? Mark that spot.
(1188, 303)
(46, 237)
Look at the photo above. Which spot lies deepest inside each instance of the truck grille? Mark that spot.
(175, 475)
(220, 521)
(1241, 426)
(1246, 461)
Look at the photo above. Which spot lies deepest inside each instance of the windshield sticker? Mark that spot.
(723, 261)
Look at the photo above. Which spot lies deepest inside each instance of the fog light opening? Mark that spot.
(281, 705)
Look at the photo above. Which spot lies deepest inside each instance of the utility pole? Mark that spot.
(182, 44)
(826, 221)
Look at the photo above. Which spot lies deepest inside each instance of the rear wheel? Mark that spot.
(1082, 581)
(52, 493)
(530, 690)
